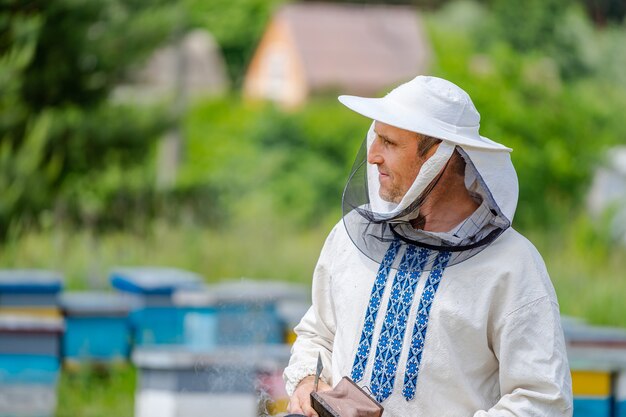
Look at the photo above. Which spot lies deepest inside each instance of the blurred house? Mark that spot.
(311, 48)
(191, 68)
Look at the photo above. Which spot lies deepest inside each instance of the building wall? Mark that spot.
(275, 72)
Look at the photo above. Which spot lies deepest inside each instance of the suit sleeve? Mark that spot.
(534, 373)
(316, 331)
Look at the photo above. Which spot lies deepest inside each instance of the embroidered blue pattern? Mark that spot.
(365, 343)
(421, 325)
(389, 345)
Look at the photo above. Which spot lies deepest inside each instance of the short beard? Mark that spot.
(391, 196)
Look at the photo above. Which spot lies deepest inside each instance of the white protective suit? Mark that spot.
(494, 345)
(481, 337)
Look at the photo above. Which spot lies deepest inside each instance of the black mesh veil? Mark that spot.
(373, 232)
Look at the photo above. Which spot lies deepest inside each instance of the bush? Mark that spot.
(261, 158)
(58, 63)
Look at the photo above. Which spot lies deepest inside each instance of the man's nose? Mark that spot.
(373, 154)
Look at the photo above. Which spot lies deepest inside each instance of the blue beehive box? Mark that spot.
(593, 375)
(97, 326)
(30, 292)
(29, 364)
(200, 323)
(248, 311)
(597, 357)
(157, 321)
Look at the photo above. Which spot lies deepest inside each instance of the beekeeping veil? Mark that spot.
(438, 108)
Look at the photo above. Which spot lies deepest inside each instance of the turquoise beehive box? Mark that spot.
(30, 338)
(248, 311)
(30, 292)
(97, 326)
(29, 364)
(200, 324)
(156, 320)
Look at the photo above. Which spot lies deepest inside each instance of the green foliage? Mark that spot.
(586, 267)
(294, 164)
(528, 25)
(606, 11)
(555, 28)
(80, 52)
(58, 63)
(255, 246)
(308, 158)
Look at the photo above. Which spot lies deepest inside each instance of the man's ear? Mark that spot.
(425, 145)
(457, 163)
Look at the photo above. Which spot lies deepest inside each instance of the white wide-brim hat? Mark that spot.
(431, 106)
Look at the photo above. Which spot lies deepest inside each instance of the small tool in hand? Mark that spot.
(318, 370)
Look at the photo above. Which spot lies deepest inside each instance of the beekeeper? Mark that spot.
(423, 292)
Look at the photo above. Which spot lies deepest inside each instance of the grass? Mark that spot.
(264, 250)
(587, 269)
(91, 391)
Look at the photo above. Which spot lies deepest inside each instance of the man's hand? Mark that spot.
(300, 401)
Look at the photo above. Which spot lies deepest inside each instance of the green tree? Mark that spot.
(59, 61)
(530, 24)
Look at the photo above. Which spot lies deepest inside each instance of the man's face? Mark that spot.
(395, 153)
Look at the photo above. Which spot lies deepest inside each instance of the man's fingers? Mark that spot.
(294, 406)
(299, 405)
(300, 401)
(324, 387)
(307, 410)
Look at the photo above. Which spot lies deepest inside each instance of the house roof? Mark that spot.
(355, 48)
